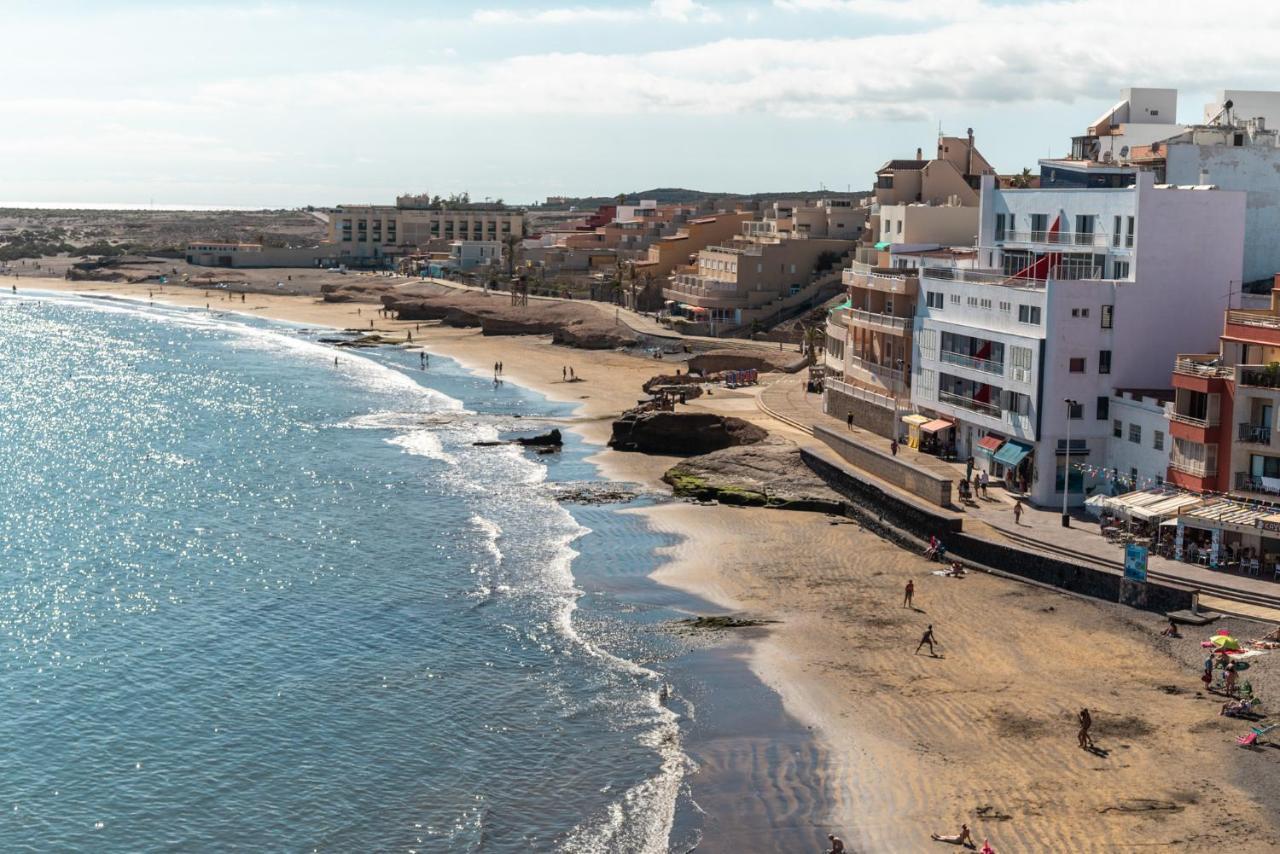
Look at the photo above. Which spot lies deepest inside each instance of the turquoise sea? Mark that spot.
(253, 600)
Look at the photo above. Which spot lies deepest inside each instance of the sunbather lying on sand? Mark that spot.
(961, 838)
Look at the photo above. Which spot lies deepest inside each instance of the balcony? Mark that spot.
(987, 366)
(1263, 319)
(979, 406)
(1254, 434)
(1258, 376)
(1206, 365)
(887, 322)
(890, 378)
(1059, 238)
(1190, 420)
(982, 277)
(1246, 482)
(1195, 468)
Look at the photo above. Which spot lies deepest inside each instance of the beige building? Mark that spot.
(918, 224)
(747, 280)
(954, 173)
(368, 233)
(836, 218)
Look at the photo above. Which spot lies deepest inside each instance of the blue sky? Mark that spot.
(282, 104)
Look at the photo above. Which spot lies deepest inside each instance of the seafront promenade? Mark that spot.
(1039, 530)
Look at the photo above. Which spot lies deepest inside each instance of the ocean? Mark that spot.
(256, 600)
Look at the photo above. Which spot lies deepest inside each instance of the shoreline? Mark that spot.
(730, 747)
(981, 734)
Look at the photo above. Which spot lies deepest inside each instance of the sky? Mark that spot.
(282, 104)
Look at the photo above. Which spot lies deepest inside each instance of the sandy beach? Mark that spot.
(983, 732)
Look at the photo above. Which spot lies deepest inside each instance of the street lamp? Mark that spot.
(1066, 464)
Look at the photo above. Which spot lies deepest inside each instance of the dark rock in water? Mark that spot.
(726, 621)
(545, 451)
(592, 492)
(551, 439)
(488, 444)
(682, 433)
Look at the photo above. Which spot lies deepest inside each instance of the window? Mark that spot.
(1029, 314)
(1076, 365)
(888, 305)
(1004, 306)
(1117, 428)
(1020, 358)
(1157, 440)
(972, 301)
(928, 380)
(1120, 270)
(1104, 408)
(1108, 312)
(928, 339)
(955, 299)
(1104, 361)
(934, 299)
(1128, 232)
(1039, 225)
(1084, 229)
(759, 268)
(1135, 434)
(899, 226)
(1075, 411)
(1000, 227)
(1079, 312)
(1115, 230)
(1017, 403)
(985, 303)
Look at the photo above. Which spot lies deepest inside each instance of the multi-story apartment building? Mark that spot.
(370, 233)
(836, 218)
(746, 280)
(1223, 423)
(1079, 292)
(920, 209)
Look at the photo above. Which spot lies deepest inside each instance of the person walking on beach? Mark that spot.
(893, 445)
(926, 638)
(1086, 721)
(837, 844)
(983, 480)
(564, 374)
(849, 420)
(1229, 681)
(1017, 512)
(909, 592)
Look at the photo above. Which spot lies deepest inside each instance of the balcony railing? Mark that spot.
(884, 321)
(985, 365)
(1259, 376)
(1060, 238)
(1246, 482)
(883, 372)
(969, 403)
(1197, 365)
(859, 393)
(981, 277)
(1191, 420)
(1195, 468)
(1255, 434)
(1249, 318)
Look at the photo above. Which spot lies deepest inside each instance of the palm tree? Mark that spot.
(1022, 181)
(512, 243)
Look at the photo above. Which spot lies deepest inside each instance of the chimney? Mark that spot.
(919, 154)
(968, 163)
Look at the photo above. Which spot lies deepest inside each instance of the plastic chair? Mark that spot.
(1254, 567)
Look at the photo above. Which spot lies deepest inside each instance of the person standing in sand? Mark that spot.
(1017, 512)
(909, 592)
(1086, 721)
(926, 638)
(564, 373)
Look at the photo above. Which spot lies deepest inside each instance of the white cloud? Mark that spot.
(1043, 52)
(682, 11)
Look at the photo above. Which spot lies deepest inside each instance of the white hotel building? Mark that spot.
(1122, 280)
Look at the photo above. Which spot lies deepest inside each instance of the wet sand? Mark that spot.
(912, 744)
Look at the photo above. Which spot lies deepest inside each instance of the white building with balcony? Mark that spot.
(1081, 291)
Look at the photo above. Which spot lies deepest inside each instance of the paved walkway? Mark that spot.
(1040, 528)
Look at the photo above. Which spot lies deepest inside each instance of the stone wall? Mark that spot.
(933, 488)
(908, 523)
(868, 416)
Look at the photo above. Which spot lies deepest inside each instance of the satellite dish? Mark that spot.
(1228, 104)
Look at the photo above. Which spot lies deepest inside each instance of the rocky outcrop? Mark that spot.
(682, 432)
(589, 336)
(766, 474)
(351, 291)
(764, 361)
(551, 439)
